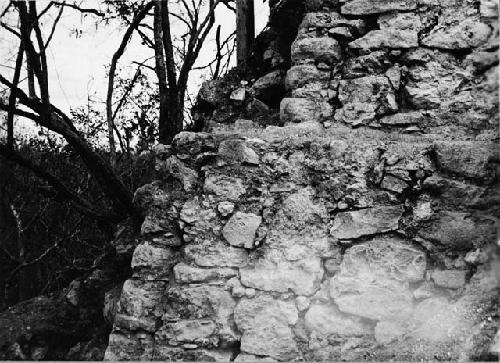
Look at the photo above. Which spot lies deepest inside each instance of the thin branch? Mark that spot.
(12, 97)
(54, 26)
(80, 9)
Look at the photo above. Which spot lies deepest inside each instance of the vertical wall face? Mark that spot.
(365, 228)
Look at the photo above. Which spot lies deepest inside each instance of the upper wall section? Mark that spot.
(425, 67)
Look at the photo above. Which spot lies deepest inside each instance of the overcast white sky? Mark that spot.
(77, 64)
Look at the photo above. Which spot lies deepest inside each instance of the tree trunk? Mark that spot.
(245, 30)
(161, 73)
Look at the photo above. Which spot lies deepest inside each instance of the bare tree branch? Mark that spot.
(12, 97)
(116, 56)
(80, 9)
(54, 27)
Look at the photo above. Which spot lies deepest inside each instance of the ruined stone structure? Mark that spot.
(362, 229)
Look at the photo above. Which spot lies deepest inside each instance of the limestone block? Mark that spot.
(265, 323)
(185, 274)
(240, 230)
(306, 74)
(364, 98)
(366, 7)
(279, 275)
(465, 34)
(451, 279)
(374, 277)
(237, 151)
(348, 225)
(321, 49)
(326, 319)
(230, 188)
(386, 38)
(215, 254)
(304, 110)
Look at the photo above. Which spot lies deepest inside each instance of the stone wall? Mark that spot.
(363, 229)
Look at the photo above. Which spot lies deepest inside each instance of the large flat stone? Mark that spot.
(265, 323)
(216, 254)
(367, 221)
(366, 7)
(326, 319)
(386, 38)
(280, 275)
(465, 34)
(304, 110)
(374, 278)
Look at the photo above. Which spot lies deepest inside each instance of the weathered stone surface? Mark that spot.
(242, 357)
(304, 110)
(237, 151)
(238, 95)
(388, 331)
(216, 254)
(373, 279)
(152, 261)
(225, 208)
(402, 119)
(400, 21)
(464, 35)
(139, 305)
(187, 176)
(269, 336)
(376, 62)
(129, 346)
(265, 323)
(273, 273)
(203, 302)
(393, 184)
(470, 159)
(366, 7)
(320, 49)
(186, 274)
(331, 20)
(240, 230)
(188, 352)
(300, 75)
(197, 331)
(457, 230)
(364, 98)
(225, 187)
(264, 305)
(367, 221)
(452, 279)
(326, 319)
(386, 38)
(437, 320)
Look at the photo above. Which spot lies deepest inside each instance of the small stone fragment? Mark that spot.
(225, 208)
